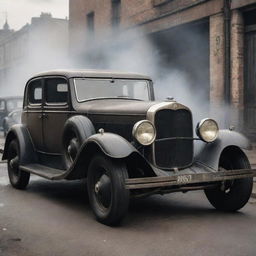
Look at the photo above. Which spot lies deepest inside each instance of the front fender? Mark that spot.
(112, 145)
(109, 144)
(211, 152)
(21, 134)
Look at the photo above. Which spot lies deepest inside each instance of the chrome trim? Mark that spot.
(135, 127)
(200, 124)
(151, 117)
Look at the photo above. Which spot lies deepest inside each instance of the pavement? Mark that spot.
(54, 218)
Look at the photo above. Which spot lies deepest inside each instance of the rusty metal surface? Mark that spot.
(157, 182)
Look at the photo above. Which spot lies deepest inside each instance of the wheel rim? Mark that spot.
(102, 189)
(72, 149)
(226, 186)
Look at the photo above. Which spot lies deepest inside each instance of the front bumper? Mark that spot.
(196, 179)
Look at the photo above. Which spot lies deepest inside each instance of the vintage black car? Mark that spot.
(13, 118)
(108, 128)
(7, 105)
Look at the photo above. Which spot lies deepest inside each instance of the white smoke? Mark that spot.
(130, 51)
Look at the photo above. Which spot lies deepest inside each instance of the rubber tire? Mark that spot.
(81, 128)
(240, 191)
(21, 179)
(120, 196)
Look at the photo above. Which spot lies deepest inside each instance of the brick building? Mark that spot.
(29, 50)
(218, 35)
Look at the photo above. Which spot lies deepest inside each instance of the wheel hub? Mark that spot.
(14, 163)
(102, 190)
(73, 148)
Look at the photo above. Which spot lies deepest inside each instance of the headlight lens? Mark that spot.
(144, 132)
(207, 130)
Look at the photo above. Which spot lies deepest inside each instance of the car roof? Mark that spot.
(11, 97)
(92, 74)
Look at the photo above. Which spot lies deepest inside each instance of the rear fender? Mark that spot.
(211, 152)
(21, 134)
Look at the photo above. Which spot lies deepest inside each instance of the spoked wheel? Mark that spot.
(18, 179)
(231, 195)
(106, 189)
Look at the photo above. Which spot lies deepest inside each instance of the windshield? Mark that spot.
(87, 89)
(14, 104)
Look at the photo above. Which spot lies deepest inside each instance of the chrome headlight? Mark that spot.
(144, 132)
(207, 130)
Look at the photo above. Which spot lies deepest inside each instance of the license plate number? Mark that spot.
(184, 179)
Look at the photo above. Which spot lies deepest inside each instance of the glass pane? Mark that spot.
(14, 104)
(2, 105)
(56, 90)
(106, 88)
(35, 92)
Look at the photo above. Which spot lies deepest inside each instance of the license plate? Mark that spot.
(182, 179)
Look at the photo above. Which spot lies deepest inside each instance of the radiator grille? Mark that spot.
(176, 128)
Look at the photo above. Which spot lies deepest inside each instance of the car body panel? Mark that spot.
(210, 152)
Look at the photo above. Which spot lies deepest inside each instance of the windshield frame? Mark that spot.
(148, 83)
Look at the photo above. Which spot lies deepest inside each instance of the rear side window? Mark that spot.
(2, 105)
(56, 91)
(35, 92)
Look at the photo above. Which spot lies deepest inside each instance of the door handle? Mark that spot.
(41, 116)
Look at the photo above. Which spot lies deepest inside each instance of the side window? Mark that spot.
(2, 105)
(56, 91)
(35, 92)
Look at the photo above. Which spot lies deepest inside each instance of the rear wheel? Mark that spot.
(18, 179)
(106, 188)
(231, 195)
(5, 128)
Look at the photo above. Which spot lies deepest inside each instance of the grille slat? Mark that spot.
(177, 152)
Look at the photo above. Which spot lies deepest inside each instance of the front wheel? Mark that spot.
(106, 189)
(231, 195)
(18, 179)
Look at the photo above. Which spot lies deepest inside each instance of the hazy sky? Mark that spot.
(20, 11)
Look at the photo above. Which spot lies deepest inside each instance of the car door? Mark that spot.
(33, 112)
(55, 112)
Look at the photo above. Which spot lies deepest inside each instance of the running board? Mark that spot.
(44, 171)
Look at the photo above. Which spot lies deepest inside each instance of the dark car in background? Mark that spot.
(7, 105)
(107, 128)
(13, 118)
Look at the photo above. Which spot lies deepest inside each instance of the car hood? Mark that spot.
(115, 107)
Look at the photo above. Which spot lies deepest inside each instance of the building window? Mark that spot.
(90, 21)
(116, 13)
